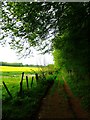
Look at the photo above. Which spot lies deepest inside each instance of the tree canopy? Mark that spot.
(33, 22)
(58, 26)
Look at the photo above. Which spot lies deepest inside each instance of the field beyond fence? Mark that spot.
(11, 69)
(22, 90)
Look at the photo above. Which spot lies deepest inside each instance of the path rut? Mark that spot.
(60, 104)
(55, 105)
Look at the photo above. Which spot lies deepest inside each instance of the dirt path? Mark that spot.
(75, 103)
(56, 105)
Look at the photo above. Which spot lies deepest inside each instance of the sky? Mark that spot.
(9, 55)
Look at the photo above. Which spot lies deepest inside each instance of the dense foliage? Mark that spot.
(73, 50)
(33, 23)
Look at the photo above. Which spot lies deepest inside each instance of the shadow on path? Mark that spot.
(75, 104)
(55, 105)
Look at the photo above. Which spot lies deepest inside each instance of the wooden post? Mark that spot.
(27, 82)
(20, 87)
(36, 77)
(7, 89)
(21, 82)
(32, 82)
(22, 76)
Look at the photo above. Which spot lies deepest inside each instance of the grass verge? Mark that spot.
(80, 89)
(25, 106)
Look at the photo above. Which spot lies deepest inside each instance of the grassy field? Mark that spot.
(13, 83)
(18, 69)
(21, 106)
(12, 77)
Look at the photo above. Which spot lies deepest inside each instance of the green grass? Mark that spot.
(23, 106)
(80, 89)
(12, 80)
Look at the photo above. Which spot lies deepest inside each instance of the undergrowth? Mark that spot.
(80, 88)
(25, 106)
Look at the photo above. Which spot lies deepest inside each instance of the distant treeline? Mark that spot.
(17, 64)
(10, 64)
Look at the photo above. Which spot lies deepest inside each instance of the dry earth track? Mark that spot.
(60, 104)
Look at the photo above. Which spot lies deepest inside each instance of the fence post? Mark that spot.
(32, 82)
(7, 89)
(21, 82)
(27, 82)
(36, 77)
(22, 76)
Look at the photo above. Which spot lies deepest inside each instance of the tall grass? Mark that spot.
(80, 88)
(22, 106)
